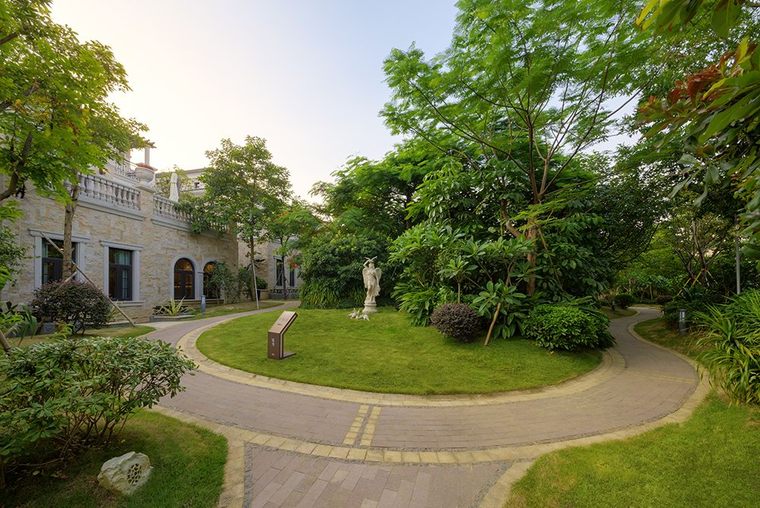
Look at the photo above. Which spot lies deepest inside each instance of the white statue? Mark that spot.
(174, 187)
(371, 276)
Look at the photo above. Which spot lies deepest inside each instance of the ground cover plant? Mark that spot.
(387, 354)
(63, 397)
(233, 308)
(188, 470)
(702, 462)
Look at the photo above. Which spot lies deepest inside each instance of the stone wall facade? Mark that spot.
(113, 213)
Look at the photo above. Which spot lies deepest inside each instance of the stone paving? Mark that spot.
(330, 450)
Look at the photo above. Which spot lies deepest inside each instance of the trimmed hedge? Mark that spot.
(456, 320)
(624, 300)
(567, 328)
(78, 304)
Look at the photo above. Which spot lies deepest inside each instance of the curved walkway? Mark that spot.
(299, 444)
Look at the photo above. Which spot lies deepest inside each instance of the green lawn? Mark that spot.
(188, 470)
(112, 331)
(617, 313)
(387, 354)
(233, 308)
(710, 460)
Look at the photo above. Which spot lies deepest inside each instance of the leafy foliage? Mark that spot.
(716, 108)
(55, 117)
(61, 396)
(732, 346)
(173, 308)
(568, 328)
(456, 320)
(79, 304)
(624, 300)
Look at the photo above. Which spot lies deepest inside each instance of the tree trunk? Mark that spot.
(68, 223)
(252, 247)
(493, 323)
(532, 235)
(6, 345)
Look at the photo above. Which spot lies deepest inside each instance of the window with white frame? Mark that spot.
(121, 271)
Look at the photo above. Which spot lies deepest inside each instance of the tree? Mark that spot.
(55, 118)
(56, 121)
(717, 108)
(244, 187)
(292, 228)
(529, 85)
(366, 208)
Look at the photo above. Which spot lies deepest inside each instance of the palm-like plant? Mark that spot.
(731, 343)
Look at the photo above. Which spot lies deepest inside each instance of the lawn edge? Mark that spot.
(610, 365)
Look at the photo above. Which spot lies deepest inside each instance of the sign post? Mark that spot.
(276, 336)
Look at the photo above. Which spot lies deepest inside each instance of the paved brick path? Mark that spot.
(374, 454)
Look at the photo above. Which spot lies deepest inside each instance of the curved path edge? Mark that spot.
(611, 365)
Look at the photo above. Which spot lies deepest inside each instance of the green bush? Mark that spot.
(624, 300)
(62, 396)
(567, 327)
(78, 304)
(731, 344)
(456, 320)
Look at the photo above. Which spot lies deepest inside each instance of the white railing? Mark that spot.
(103, 190)
(122, 168)
(166, 208)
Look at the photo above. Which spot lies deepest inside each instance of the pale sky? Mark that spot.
(306, 75)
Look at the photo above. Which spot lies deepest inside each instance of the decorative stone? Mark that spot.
(371, 276)
(125, 474)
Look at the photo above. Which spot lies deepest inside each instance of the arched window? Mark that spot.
(184, 279)
(208, 271)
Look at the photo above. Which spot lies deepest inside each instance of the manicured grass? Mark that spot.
(114, 331)
(188, 470)
(659, 332)
(387, 354)
(710, 460)
(617, 313)
(233, 308)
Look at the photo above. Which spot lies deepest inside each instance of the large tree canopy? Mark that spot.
(528, 86)
(55, 117)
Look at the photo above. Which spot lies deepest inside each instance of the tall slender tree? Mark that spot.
(246, 188)
(530, 85)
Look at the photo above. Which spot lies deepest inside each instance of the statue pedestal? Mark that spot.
(369, 307)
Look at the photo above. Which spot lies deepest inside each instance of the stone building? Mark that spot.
(131, 242)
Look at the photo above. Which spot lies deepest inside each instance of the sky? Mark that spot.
(306, 75)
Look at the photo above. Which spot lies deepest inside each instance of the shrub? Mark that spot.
(567, 328)
(172, 308)
(456, 320)
(78, 304)
(663, 299)
(67, 395)
(624, 300)
(731, 343)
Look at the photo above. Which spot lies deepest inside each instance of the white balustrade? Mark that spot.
(163, 207)
(103, 190)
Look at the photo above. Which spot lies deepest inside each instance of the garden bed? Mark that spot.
(387, 354)
(188, 470)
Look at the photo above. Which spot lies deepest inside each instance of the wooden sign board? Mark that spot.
(283, 322)
(276, 336)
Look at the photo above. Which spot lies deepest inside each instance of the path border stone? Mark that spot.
(520, 456)
(612, 364)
